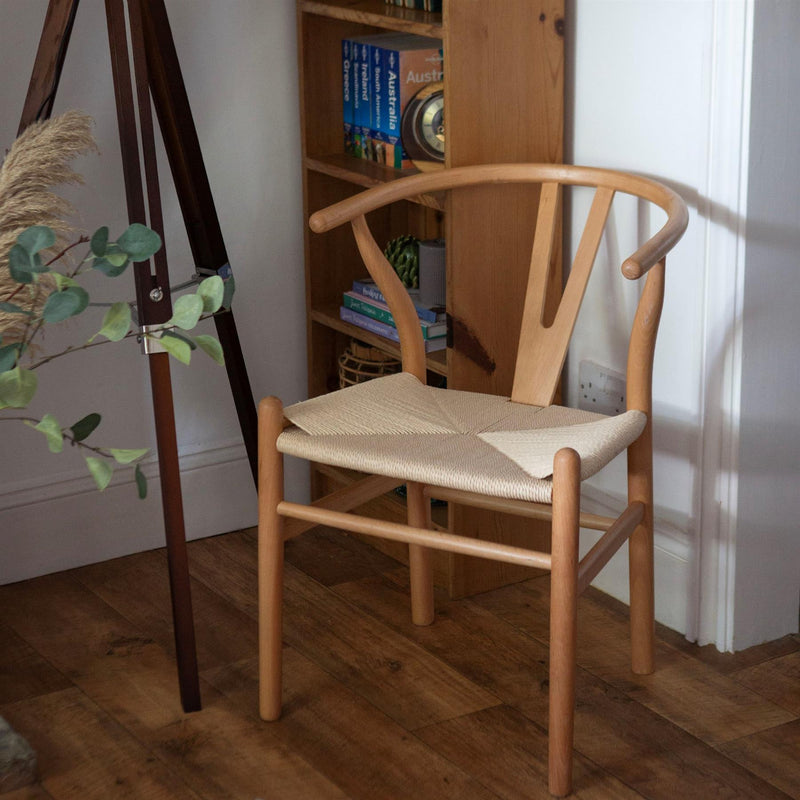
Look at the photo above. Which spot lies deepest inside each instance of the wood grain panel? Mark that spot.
(23, 672)
(346, 738)
(778, 680)
(772, 754)
(82, 752)
(519, 768)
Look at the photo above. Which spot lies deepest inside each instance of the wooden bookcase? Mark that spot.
(503, 85)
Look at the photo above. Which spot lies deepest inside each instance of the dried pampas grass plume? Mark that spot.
(37, 161)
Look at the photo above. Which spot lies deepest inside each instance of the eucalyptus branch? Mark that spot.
(130, 335)
(59, 256)
(76, 349)
(65, 299)
(26, 340)
(64, 432)
(14, 293)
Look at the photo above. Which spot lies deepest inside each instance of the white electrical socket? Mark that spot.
(601, 389)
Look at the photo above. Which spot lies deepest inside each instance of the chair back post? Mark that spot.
(642, 343)
(412, 347)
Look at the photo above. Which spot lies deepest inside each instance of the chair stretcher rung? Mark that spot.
(403, 533)
(608, 544)
(352, 495)
(521, 508)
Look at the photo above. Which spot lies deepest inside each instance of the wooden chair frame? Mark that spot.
(540, 360)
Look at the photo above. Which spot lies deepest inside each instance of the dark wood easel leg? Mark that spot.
(172, 502)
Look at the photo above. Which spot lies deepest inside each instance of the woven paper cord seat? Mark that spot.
(397, 426)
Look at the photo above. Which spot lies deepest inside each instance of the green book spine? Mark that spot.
(382, 314)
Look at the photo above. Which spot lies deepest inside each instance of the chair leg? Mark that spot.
(640, 553)
(270, 557)
(420, 562)
(563, 618)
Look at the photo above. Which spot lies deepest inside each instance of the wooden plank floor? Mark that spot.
(374, 707)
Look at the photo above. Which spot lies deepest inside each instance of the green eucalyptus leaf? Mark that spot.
(116, 322)
(211, 291)
(116, 258)
(109, 269)
(141, 482)
(176, 346)
(83, 427)
(139, 242)
(36, 238)
(101, 471)
(99, 242)
(210, 346)
(127, 456)
(9, 354)
(230, 288)
(19, 264)
(17, 387)
(62, 305)
(186, 311)
(49, 426)
(182, 336)
(13, 308)
(62, 281)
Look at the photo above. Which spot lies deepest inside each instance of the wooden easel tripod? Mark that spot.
(157, 76)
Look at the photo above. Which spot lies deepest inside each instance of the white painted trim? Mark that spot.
(43, 488)
(672, 560)
(723, 207)
(47, 528)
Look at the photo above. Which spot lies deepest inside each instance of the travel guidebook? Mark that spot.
(380, 75)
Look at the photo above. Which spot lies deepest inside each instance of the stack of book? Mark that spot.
(365, 307)
(422, 5)
(380, 75)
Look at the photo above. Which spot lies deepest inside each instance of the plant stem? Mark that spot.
(59, 256)
(78, 348)
(68, 436)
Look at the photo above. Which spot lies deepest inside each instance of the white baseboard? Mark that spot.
(672, 567)
(48, 527)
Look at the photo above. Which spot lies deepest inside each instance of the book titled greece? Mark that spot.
(347, 95)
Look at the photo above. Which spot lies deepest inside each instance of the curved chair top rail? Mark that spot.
(636, 265)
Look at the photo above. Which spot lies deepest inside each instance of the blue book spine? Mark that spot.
(347, 95)
(355, 98)
(369, 324)
(393, 110)
(387, 143)
(376, 81)
(362, 106)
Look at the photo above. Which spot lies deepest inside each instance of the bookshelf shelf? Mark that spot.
(378, 14)
(366, 173)
(503, 88)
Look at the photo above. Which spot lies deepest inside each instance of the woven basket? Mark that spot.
(360, 363)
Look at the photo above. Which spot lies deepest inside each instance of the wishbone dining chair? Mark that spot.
(520, 454)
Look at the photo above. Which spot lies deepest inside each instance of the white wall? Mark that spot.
(641, 102)
(767, 571)
(700, 94)
(239, 66)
